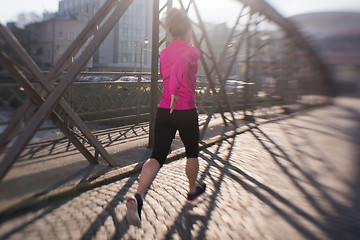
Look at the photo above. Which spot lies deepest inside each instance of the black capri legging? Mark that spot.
(166, 125)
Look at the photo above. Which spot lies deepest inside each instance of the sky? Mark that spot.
(10, 9)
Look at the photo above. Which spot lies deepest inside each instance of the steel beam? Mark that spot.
(55, 96)
(264, 8)
(215, 68)
(38, 100)
(154, 70)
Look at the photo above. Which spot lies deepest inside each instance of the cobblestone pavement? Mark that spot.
(297, 178)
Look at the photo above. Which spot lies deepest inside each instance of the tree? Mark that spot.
(24, 19)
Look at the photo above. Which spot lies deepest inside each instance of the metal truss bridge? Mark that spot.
(274, 64)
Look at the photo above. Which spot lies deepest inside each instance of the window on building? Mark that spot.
(138, 7)
(132, 8)
(71, 36)
(61, 35)
(57, 49)
(139, 20)
(125, 32)
(124, 57)
(39, 51)
(123, 44)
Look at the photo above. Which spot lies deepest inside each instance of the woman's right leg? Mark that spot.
(189, 133)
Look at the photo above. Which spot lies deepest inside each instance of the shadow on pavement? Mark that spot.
(336, 221)
(331, 217)
(110, 137)
(184, 230)
(342, 221)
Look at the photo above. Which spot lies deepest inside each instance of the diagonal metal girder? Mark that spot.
(27, 109)
(235, 40)
(36, 98)
(21, 78)
(55, 95)
(215, 71)
(65, 60)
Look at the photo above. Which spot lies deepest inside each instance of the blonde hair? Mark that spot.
(177, 23)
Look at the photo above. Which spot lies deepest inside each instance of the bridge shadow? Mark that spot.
(108, 211)
(48, 165)
(340, 223)
(227, 170)
(62, 147)
(342, 219)
(346, 220)
(186, 220)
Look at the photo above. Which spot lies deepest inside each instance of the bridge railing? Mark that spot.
(259, 60)
(114, 103)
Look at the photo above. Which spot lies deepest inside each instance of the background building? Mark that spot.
(127, 48)
(49, 39)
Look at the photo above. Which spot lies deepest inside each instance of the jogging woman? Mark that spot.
(176, 112)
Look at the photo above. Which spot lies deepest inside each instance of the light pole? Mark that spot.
(135, 46)
(146, 41)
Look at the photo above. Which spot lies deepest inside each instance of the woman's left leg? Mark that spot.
(148, 174)
(191, 169)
